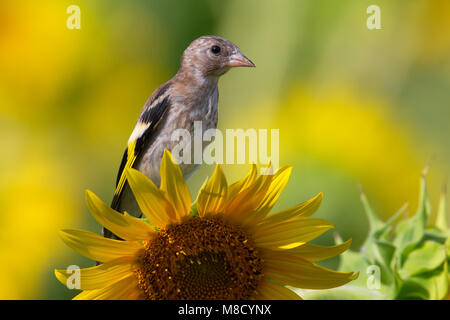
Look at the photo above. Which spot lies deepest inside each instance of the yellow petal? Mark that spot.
(151, 201)
(313, 252)
(279, 181)
(102, 275)
(284, 233)
(302, 210)
(98, 248)
(304, 274)
(244, 183)
(126, 227)
(173, 184)
(125, 289)
(291, 245)
(270, 291)
(245, 202)
(213, 195)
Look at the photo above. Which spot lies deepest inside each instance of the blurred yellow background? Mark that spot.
(353, 106)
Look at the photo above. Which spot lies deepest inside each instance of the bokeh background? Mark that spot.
(354, 106)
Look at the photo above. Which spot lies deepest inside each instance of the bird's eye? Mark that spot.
(215, 49)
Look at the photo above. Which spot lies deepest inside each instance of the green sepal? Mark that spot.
(413, 231)
(194, 210)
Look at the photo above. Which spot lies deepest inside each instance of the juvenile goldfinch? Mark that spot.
(191, 95)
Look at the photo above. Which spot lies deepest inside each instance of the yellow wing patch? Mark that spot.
(131, 158)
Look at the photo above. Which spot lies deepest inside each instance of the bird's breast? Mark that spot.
(181, 116)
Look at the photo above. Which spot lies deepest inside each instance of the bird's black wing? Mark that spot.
(149, 119)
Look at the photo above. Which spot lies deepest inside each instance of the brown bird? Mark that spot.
(191, 95)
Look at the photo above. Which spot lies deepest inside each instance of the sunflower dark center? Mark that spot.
(200, 259)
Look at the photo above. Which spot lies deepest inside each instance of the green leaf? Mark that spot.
(425, 258)
(424, 208)
(439, 283)
(431, 285)
(441, 218)
(384, 251)
(412, 258)
(412, 290)
(380, 253)
(375, 223)
(383, 232)
(435, 235)
(412, 231)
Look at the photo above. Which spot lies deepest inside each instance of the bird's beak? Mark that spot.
(239, 60)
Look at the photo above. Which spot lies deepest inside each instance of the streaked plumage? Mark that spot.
(191, 95)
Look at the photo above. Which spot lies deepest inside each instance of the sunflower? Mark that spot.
(224, 246)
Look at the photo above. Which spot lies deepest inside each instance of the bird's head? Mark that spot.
(213, 56)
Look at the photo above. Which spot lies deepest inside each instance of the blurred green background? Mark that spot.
(353, 106)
